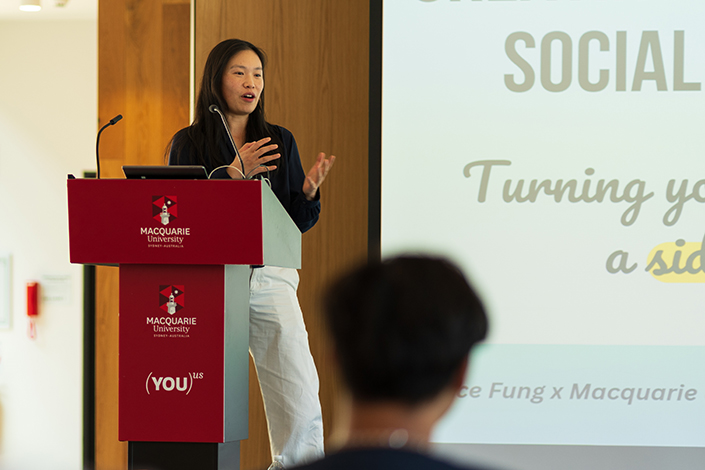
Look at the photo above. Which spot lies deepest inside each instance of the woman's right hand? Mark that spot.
(253, 159)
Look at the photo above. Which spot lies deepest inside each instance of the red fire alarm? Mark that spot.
(32, 306)
(32, 299)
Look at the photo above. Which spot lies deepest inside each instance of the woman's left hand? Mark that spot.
(317, 174)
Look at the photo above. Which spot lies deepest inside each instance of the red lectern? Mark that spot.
(185, 250)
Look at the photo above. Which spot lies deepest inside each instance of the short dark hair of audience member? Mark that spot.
(403, 328)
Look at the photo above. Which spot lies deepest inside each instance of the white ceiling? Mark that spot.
(74, 10)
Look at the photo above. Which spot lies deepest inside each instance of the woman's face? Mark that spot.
(243, 82)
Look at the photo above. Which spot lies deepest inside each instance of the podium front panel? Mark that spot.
(171, 365)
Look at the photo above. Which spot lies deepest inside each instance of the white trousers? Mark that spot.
(285, 368)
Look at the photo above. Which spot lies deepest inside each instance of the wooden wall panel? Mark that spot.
(317, 86)
(143, 74)
(110, 453)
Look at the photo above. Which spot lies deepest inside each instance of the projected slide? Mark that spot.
(556, 150)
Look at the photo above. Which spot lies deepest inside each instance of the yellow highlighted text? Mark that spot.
(678, 261)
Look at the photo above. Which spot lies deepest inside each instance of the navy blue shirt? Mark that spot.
(287, 180)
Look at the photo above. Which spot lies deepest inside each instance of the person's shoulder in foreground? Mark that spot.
(402, 330)
(382, 459)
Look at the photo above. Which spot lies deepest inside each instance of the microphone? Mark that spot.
(214, 109)
(112, 122)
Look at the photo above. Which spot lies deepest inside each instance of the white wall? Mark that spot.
(48, 121)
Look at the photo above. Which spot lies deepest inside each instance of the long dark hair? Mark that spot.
(206, 132)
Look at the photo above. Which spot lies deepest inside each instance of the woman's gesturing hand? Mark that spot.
(253, 159)
(317, 174)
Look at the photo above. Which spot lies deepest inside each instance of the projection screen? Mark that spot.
(554, 149)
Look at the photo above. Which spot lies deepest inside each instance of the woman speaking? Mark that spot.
(232, 93)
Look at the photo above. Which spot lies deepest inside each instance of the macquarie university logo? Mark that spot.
(168, 324)
(171, 298)
(164, 212)
(164, 209)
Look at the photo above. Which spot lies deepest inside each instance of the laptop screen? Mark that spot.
(164, 172)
